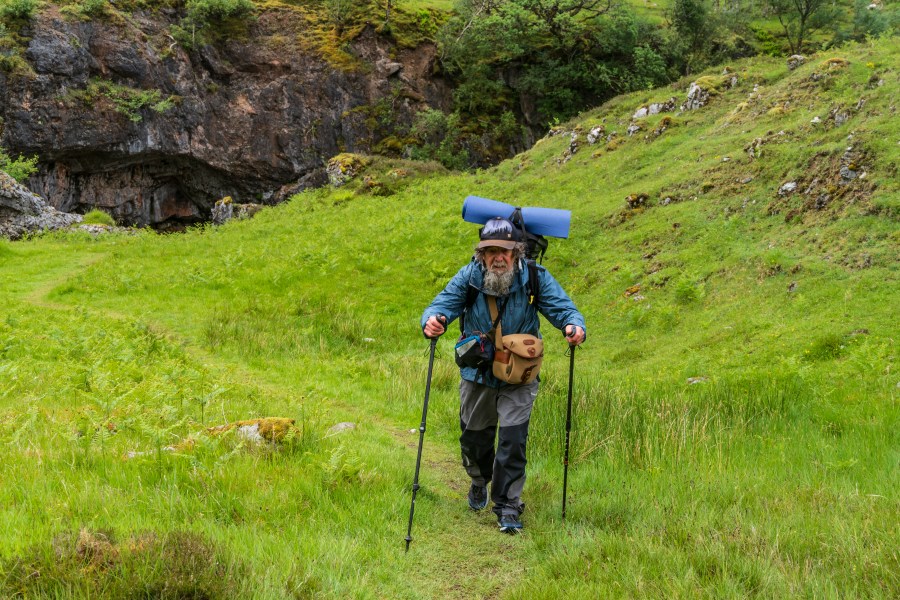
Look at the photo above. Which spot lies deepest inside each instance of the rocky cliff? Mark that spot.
(23, 212)
(125, 119)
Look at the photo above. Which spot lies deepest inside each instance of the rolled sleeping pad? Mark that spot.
(551, 222)
(481, 210)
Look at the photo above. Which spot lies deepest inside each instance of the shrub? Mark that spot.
(825, 347)
(686, 291)
(440, 137)
(126, 100)
(17, 9)
(194, 30)
(19, 169)
(339, 11)
(94, 8)
(211, 11)
(98, 217)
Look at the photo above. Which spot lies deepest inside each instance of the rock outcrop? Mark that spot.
(124, 119)
(22, 211)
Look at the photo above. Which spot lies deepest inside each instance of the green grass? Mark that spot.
(98, 217)
(735, 431)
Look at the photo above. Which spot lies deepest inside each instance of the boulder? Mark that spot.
(633, 201)
(271, 429)
(787, 188)
(341, 427)
(344, 167)
(655, 108)
(700, 91)
(22, 211)
(595, 134)
(386, 67)
(697, 97)
(222, 211)
(795, 61)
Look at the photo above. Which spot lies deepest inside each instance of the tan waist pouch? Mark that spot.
(518, 360)
(518, 356)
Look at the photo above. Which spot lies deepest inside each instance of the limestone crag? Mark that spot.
(124, 119)
(22, 211)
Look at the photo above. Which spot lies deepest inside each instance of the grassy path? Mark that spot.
(455, 553)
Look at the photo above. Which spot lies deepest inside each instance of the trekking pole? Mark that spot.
(568, 429)
(415, 486)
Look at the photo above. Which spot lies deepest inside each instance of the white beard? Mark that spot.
(498, 284)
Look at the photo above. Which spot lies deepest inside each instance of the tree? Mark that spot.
(703, 33)
(547, 59)
(800, 18)
(689, 19)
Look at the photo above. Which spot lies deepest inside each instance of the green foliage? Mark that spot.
(883, 20)
(211, 20)
(825, 347)
(799, 19)
(205, 12)
(21, 10)
(98, 217)
(173, 565)
(440, 137)
(339, 11)
(88, 9)
(12, 50)
(687, 290)
(345, 467)
(126, 100)
(560, 55)
(703, 34)
(20, 168)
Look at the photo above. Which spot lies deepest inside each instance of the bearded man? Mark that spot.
(498, 270)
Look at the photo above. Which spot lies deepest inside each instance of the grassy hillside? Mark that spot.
(736, 415)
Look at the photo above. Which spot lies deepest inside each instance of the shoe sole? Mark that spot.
(479, 506)
(511, 530)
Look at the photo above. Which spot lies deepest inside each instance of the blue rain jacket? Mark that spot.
(517, 317)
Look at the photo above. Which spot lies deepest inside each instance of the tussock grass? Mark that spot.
(92, 564)
(98, 217)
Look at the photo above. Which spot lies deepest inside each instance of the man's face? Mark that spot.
(498, 260)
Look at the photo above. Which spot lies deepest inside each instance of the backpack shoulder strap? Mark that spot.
(534, 283)
(471, 296)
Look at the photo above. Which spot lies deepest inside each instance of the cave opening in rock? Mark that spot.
(163, 192)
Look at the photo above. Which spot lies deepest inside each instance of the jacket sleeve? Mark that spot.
(555, 304)
(452, 300)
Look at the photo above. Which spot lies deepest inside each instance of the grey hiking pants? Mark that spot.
(481, 409)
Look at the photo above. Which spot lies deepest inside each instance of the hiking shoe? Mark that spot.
(510, 524)
(478, 497)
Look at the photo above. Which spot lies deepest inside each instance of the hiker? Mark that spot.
(498, 275)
